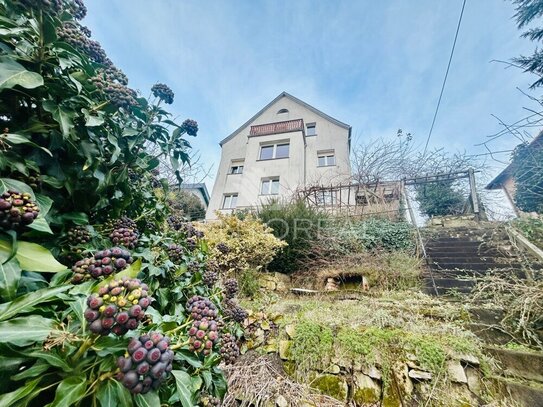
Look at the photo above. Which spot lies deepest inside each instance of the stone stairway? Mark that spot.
(458, 256)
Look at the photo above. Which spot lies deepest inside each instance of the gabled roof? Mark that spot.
(201, 186)
(296, 100)
(497, 182)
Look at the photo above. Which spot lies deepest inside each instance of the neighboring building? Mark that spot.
(506, 179)
(199, 191)
(286, 146)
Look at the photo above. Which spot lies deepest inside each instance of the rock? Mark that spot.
(366, 391)
(372, 372)
(281, 402)
(469, 359)
(291, 331)
(331, 385)
(420, 375)
(474, 381)
(401, 372)
(334, 369)
(456, 371)
(284, 349)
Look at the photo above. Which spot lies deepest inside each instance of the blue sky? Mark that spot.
(377, 65)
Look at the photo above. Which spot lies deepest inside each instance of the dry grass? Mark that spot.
(259, 380)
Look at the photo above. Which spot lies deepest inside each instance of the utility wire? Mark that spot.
(445, 79)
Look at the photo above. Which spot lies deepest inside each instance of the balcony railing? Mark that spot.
(278, 127)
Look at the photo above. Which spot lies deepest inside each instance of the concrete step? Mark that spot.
(448, 282)
(518, 364)
(520, 394)
(446, 291)
(464, 273)
(478, 266)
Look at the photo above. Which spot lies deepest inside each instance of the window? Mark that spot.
(311, 129)
(236, 169)
(326, 160)
(230, 201)
(269, 152)
(325, 198)
(282, 111)
(270, 186)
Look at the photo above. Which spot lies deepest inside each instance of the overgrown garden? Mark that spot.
(108, 297)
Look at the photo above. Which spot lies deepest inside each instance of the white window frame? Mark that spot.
(229, 198)
(270, 183)
(326, 198)
(310, 126)
(239, 167)
(329, 159)
(274, 151)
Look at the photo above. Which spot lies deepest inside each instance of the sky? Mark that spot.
(376, 65)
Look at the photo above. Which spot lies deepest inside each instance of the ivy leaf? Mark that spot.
(130, 272)
(25, 331)
(184, 386)
(62, 116)
(10, 274)
(31, 257)
(69, 391)
(7, 183)
(91, 120)
(26, 303)
(112, 394)
(150, 399)
(36, 370)
(12, 74)
(52, 359)
(10, 399)
(19, 139)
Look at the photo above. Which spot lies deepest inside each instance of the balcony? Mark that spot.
(277, 127)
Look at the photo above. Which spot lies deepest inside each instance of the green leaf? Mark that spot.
(11, 399)
(40, 225)
(19, 139)
(12, 74)
(150, 399)
(184, 386)
(36, 370)
(79, 218)
(45, 203)
(10, 274)
(7, 183)
(62, 116)
(27, 302)
(32, 257)
(69, 391)
(113, 394)
(91, 120)
(25, 331)
(52, 358)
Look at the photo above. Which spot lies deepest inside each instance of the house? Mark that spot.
(287, 145)
(199, 191)
(506, 179)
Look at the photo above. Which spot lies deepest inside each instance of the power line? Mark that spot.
(445, 79)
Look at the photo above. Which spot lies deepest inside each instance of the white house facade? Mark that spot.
(287, 145)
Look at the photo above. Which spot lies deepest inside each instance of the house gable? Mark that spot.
(276, 101)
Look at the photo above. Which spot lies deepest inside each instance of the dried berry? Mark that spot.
(231, 288)
(233, 311)
(229, 348)
(200, 307)
(190, 127)
(17, 209)
(145, 369)
(118, 308)
(163, 92)
(103, 263)
(210, 277)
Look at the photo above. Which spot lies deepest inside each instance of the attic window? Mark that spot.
(282, 111)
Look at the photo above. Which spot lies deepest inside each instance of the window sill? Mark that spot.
(324, 166)
(268, 194)
(273, 159)
(235, 173)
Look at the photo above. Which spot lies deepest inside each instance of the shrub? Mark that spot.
(528, 173)
(241, 244)
(532, 228)
(381, 234)
(249, 283)
(440, 199)
(298, 225)
(187, 204)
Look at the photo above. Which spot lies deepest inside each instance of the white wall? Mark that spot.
(301, 168)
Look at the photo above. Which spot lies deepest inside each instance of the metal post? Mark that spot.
(473, 190)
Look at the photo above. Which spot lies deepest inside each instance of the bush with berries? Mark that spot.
(107, 297)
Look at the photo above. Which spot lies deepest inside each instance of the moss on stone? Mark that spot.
(331, 385)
